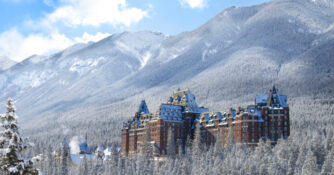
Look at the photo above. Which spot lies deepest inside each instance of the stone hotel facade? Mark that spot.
(267, 119)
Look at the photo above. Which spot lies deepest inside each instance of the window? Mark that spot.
(266, 112)
(278, 123)
(285, 123)
(244, 129)
(272, 131)
(244, 117)
(285, 128)
(275, 112)
(244, 124)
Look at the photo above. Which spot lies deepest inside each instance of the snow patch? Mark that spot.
(147, 56)
(84, 66)
(208, 52)
(33, 79)
(77, 158)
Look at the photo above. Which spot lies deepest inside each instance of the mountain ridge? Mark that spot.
(236, 54)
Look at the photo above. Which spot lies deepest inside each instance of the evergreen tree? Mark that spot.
(328, 164)
(171, 146)
(114, 157)
(292, 161)
(197, 142)
(310, 166)
(301, 159)
(85, 166)
(146, 148)
(180, 152)
(230, 138)
(12, 145)
(55, 167)
(65, 157)
(218, 144)
(329, 140)
(319, 152)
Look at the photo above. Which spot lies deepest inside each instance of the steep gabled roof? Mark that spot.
(143, 108)
(273, 99)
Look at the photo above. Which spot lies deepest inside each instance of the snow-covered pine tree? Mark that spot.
(65, 157)
(328, 164)
(50, 160)
(218, 144)
(329, 140)
(171, 145)
(310, 165)
(292, 160)
(179, 151)
(12, 145)
(145, 157)
(85, 165)
(146, 149)
(114, 156)
(197, 142)
(230, 139)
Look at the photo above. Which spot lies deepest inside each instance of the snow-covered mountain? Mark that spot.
(6, 63)
(71, 76)
(238, 53)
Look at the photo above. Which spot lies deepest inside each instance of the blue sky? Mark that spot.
(30, 27)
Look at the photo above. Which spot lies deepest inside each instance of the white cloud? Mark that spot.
(47, 39)
(194, 3)
(97, 12)
(18, 47)
(49, 3)
(86, 37)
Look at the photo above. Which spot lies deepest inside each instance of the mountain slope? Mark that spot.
(5, 63)
(70, 76)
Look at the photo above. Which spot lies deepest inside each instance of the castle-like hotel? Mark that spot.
(267, 119)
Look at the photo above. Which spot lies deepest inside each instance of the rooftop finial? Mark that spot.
(274, 89)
